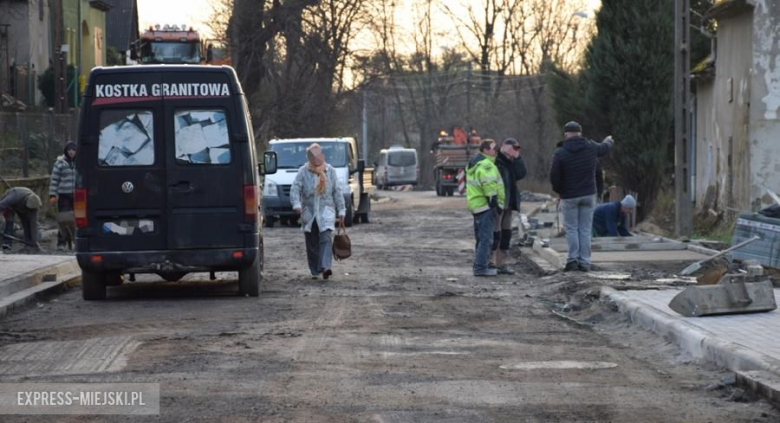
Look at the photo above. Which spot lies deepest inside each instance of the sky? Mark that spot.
(195, 12)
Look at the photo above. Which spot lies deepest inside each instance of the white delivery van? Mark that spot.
(396, 166)
(341, 153)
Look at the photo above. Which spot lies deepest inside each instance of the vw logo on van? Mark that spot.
(127, 187)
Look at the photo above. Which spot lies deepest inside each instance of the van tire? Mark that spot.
(349, 218)
(249, 280)
(93, 286)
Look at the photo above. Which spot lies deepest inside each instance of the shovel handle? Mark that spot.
(728, 250)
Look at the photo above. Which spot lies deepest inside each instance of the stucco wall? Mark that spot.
(722, 144)
(708, 152)
(765, 103)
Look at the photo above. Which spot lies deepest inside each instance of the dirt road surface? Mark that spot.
(403, 333)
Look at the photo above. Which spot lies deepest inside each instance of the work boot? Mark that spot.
(571, 266)
(506, 270)
(583, 267)
(488, 272)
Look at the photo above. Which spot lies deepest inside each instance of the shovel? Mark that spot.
(696, 266)
(18, 240)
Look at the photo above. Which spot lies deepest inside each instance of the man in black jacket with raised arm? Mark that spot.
(573, 177)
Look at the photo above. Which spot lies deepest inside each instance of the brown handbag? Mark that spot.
(342, 247)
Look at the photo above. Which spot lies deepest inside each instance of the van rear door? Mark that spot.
(123, 156)
(204, 164)
(402, 166)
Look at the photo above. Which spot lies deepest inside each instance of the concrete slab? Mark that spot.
(658, 246)
(683, 256)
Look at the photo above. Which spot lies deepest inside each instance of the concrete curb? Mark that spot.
(21, 282)
(20, 299)
(700, 343)
(539, 263)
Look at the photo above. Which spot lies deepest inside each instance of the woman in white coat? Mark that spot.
(316, 196)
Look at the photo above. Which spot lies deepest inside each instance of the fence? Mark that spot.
(31, 142)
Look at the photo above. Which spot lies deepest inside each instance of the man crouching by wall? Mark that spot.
(485, 197)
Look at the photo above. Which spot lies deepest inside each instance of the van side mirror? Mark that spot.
(268, 166)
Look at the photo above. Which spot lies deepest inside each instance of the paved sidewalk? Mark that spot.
(738, 342)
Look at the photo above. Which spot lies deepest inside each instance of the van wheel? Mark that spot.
(93, 286)
(348, 219)
(249, 280)
(450, 191)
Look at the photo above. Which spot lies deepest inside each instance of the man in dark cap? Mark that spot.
(24, 203)
(512, 169)
(573, 177)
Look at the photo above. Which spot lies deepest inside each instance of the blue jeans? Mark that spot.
(578, 221)
(483, 232)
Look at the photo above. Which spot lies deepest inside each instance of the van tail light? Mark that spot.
(250, 203)
(80, 207)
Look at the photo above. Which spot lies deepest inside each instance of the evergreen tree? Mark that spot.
(625, 89)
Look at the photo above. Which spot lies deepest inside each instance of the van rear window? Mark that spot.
(126, 138)
(402, 158)
(201, 137)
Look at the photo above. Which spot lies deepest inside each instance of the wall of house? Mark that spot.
(722, 145)
(13, 13)
(708, 152)
(765, 103)
(85, 28)
(40, 33)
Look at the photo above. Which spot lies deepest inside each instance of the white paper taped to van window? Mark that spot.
(202, 137)
(128, 142)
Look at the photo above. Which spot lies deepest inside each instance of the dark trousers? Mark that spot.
(64, 204)
(319, 249)
(8, 215)
(29, 221)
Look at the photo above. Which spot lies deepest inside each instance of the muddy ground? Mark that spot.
(403, 333)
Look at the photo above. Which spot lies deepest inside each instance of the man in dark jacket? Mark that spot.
(609, 219)
(24, 203)
(573, 177)
(512, 169)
